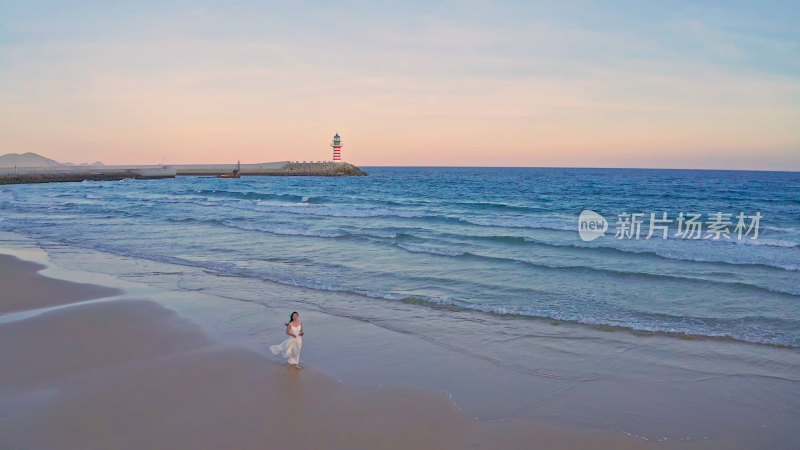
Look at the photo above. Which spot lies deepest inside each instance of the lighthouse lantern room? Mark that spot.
(337, 147)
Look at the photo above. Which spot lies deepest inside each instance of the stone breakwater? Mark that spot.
(63, 174)
(110, 173)
(332, 169)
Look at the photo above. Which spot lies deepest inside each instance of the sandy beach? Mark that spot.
(26, 289)
(130, 373)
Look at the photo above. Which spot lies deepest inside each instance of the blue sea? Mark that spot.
(496, 241)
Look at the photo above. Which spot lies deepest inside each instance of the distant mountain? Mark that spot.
(34, 160)
(26, 160)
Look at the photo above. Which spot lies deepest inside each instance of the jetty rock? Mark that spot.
(327, 168)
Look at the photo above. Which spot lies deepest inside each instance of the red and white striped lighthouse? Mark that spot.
(337, 147)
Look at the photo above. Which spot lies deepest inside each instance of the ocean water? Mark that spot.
(493, 241)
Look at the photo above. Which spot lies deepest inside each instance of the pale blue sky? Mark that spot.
(629, 84)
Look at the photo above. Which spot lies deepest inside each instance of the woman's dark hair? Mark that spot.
(291, 316)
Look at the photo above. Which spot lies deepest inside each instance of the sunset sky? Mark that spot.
(461, 83)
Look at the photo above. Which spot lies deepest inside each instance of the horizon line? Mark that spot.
(588, 167)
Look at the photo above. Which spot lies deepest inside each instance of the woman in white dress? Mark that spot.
(290, 348)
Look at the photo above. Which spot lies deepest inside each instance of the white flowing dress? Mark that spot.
(290, 348)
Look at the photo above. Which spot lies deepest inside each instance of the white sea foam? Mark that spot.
(379, 234)
(522, 222)
(334, 211)
(433, 251)
(287, 231)
(768, 242)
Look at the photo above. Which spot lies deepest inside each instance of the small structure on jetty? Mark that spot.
(237, 172)
(336, 145)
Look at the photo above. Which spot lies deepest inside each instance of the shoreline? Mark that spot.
(607, 328)
(642, 389)
(130, 372)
